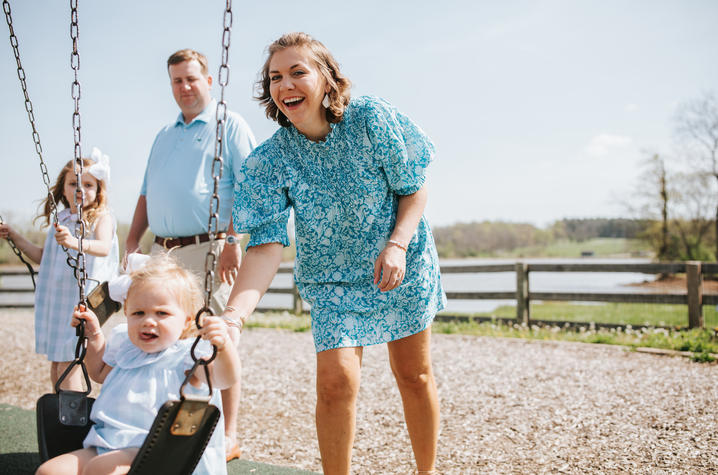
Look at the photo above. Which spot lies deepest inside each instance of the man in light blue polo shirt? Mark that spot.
(177, 188)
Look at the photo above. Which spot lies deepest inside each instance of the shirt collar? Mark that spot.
(204, 116)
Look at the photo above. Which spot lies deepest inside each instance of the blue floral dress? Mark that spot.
(138, 385)
(344, 193)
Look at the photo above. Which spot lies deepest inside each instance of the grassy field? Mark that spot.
(618, 313)
(701, 342)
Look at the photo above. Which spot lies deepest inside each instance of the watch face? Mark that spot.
(230, 239)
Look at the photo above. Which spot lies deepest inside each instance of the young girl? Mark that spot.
(57, 293)
(142, 364)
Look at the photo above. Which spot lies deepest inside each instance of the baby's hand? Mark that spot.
(214, 329)
(92, 324)
(64, 237)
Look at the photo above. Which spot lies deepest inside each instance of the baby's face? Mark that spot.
(155, 318)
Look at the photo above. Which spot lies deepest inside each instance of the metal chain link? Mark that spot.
(71, 261)
(217, 165)
(17, 252)
(29, 108)
(80, 270)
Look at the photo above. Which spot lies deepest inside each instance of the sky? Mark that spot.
(540, 110)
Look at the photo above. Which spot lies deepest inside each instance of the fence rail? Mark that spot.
(693, 298)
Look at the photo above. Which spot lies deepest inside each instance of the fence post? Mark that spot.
(694, 284)
(522, 293)
(296, 301)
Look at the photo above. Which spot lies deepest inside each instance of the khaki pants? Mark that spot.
(193, 257)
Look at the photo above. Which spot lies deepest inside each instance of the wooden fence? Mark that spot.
(694, 298)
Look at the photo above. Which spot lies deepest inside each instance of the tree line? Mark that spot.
(490, 238)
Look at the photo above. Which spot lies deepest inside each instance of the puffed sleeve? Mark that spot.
(401, 147)
(117, 337)
(261, 203)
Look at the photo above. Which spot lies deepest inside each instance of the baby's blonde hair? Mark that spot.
(181, 282)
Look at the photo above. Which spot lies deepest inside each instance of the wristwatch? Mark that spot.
(231, 239)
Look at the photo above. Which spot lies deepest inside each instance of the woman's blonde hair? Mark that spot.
(183, 283)
(91, 212)
(339, 84)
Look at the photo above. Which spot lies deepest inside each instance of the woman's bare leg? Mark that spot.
(410, 360)
(338, 375)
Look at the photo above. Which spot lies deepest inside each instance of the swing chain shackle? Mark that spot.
(218, 162)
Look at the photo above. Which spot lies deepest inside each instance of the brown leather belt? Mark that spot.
(169, 243)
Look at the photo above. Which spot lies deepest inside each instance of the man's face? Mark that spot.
(190, 88)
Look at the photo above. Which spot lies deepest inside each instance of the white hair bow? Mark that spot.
(101, 168)
(120, 285)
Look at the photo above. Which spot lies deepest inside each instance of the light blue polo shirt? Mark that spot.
(178, 179)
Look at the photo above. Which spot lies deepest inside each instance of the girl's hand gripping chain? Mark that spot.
(64, 237)
(5, 231)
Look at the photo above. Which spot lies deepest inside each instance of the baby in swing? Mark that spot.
(57, 293)
(142, 364)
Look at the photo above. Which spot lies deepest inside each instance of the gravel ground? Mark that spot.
(508, 406)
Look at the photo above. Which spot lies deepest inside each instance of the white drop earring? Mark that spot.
(325, 101)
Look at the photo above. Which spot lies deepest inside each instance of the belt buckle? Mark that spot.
(164, 243)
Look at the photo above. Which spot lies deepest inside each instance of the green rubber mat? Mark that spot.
(18, 448)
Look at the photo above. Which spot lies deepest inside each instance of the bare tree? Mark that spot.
(697, 130)
(651, 200)
(692, 207)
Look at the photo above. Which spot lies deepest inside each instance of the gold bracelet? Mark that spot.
(397, 244)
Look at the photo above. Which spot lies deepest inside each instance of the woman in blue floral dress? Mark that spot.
(353, 171)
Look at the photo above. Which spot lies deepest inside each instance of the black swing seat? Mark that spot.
(63, 421)
(63, 417)
(177, 438)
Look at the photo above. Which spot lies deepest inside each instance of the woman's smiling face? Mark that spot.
(297, 88)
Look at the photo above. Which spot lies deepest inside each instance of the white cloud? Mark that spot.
(603, 145)
(631, 107)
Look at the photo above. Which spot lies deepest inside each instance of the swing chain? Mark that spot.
(80, 267)
(217, 163)
(29, 108)
(80, 271)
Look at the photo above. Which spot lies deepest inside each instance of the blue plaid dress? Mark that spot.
(56, 294)
(138, 385)
(344, 192)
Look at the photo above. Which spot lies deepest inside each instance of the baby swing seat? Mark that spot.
(63, 418)
(179, 433)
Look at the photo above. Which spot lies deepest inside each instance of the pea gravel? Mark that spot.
(508, 406)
